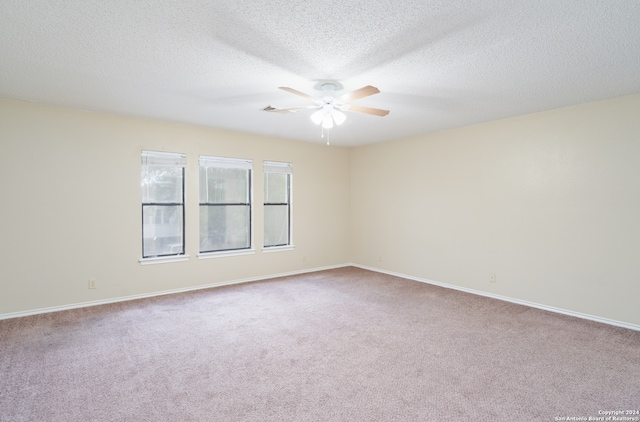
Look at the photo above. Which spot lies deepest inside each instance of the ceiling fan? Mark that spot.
(330, 107)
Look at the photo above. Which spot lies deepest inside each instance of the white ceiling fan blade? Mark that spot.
(368, 110)
(296, 92)
(358, 93)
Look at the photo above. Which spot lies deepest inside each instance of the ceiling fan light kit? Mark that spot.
(317, 117)
(338, 117)
(329, 107)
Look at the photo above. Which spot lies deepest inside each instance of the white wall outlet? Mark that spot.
(93, 283)
(379, 258)
(492, 278)
(304, 258)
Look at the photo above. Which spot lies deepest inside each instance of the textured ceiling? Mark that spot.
(438, 64)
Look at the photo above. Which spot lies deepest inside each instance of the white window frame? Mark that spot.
(286, 168)
(169, 159)
(238, 163)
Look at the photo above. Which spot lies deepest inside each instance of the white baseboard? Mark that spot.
(311, 270)
(161, 293)
(507, 299)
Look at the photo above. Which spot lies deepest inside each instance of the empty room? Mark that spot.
(320, 211)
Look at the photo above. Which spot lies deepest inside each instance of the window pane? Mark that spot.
(161, 184)
(275, 188)
(224, 185)
(276, 225)
(162, 230)
(224, 227)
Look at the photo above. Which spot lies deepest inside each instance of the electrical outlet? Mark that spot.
(304, 258)
(379, 258)
(492, 278)
(93, 283)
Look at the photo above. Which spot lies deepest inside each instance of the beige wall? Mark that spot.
(70, 183)
(549, 202)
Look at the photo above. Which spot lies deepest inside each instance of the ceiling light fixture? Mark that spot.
(329, 107)
(327, 116)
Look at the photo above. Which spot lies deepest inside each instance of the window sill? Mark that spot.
(223, 254)
(163, 259)
(278, 248)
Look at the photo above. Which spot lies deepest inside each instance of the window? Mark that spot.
(277, 203)
(162, 204)
(225, 204)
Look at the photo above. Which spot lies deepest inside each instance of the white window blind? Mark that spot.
(154, 158)
(221, 162)
(277, 167)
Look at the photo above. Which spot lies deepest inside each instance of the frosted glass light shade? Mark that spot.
(317, 117)
(327, 116)
(327, 122)
(339, 117)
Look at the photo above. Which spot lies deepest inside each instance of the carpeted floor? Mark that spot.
(338, 345)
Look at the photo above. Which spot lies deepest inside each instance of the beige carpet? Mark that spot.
(338, 345)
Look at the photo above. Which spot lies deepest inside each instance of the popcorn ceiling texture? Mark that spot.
(438, 64)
